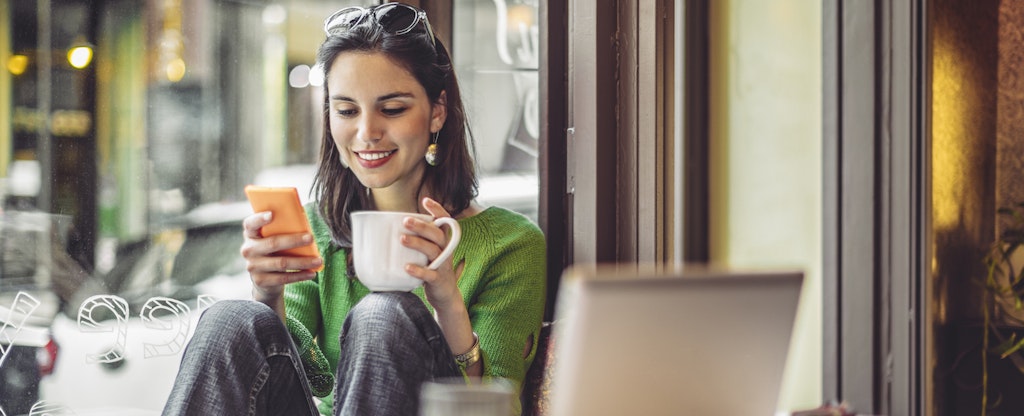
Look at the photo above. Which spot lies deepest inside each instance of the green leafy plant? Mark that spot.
(1004, 300)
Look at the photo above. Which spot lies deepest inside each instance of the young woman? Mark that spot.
(395, 139)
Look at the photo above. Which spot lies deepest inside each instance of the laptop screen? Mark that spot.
(693, 341)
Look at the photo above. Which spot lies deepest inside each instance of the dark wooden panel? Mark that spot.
(554, 216)
(695, 133)
(627, 163)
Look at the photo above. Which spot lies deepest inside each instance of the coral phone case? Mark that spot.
(289, 217)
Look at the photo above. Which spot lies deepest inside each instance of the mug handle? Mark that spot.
(452, 243)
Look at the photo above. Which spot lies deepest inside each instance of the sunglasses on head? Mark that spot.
(394, 18)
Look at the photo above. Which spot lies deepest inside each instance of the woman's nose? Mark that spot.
(369, 129)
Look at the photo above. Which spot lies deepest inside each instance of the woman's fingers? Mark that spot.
(256, 245)
(281, 264)
(271, 285)
(434, 208)
(440, 285)
(422, 273)
(254, 223)
(269, 245)
(270, 272)
(426, 230)
(427, 237)
(265, 280)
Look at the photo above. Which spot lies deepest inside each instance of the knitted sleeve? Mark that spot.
(508, 312)
(304, 322)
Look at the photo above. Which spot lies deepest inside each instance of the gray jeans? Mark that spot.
(242, 360)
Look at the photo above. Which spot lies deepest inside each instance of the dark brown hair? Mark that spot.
(452, 182)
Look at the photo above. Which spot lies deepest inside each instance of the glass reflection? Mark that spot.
(134, 127)
(102, 304)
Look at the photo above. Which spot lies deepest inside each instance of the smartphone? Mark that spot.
(289, 217)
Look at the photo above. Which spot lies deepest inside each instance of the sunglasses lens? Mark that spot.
(344, 19)
(397, 18)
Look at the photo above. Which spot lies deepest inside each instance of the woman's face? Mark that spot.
(381, 120)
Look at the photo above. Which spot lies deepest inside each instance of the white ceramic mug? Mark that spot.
(379, 255)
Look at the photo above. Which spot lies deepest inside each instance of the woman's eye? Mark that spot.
(393, 111)
(345, 112)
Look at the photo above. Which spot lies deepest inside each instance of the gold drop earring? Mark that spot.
(432, 156)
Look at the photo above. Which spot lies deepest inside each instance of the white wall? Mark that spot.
(766, 158)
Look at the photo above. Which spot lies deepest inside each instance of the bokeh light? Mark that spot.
(175, 70)
(316, 75)
(299, 76)
(17, 64)
(274, 15)
(80, 56)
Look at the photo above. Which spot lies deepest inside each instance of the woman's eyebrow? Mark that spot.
(394, 95)
(384, 97)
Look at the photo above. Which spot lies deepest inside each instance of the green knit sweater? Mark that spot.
(503, 284)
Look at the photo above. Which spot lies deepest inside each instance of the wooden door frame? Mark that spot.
(619, 137)
(553, 203)
(875, 208)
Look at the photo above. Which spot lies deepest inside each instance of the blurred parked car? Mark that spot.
(36, 273)
(126, 330)
(24, 361)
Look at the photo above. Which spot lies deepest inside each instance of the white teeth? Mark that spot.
(374, 155)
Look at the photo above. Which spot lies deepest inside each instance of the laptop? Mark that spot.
(692, 341)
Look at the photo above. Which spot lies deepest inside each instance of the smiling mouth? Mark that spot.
(372, 156)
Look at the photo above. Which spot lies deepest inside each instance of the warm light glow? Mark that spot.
(17, 64)
(950, 130)
(520, 15)
(175, 70)
(80, 56)
(957, 120)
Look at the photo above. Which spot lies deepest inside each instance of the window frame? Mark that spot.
(875, 208)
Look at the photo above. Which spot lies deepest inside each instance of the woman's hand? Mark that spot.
(439, 285)
(269, 272)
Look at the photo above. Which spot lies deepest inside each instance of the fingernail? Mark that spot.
(266, 216)
(317, 262)
(307, 238)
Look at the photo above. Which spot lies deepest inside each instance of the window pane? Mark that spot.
(496, 53)
(134, 128)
